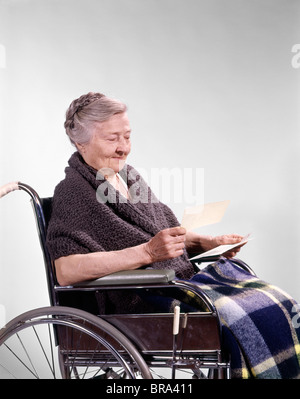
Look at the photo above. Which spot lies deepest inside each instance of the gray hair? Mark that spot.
(85, 111)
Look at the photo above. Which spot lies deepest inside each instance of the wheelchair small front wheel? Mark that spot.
(61, 342)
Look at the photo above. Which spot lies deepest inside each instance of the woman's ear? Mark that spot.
(80, 148)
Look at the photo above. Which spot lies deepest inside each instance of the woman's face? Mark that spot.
(109, 145)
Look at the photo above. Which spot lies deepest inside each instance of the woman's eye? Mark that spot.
(117, 138)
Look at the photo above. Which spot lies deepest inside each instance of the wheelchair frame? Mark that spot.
(119, 345)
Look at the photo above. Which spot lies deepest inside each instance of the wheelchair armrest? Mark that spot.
(215, 258)
(205, 259)
(131, 277)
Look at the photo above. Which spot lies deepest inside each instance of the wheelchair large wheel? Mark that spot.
(61, 342)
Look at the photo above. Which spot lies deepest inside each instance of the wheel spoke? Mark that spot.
(21, 361)
(40, 342)
(52, 368)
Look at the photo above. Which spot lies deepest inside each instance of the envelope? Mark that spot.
(202, 215)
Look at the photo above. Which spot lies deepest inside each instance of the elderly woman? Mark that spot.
(106, 219)
(91, 239)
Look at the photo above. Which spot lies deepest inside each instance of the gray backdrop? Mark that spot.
(210, 85)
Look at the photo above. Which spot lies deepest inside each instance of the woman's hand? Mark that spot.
(228, 239)
(166, 244)
(197, 243)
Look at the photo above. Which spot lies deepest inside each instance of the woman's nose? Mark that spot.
(123, 146)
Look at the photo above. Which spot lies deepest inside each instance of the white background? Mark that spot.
(209, 84)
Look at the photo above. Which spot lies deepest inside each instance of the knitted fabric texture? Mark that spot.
(89, 215)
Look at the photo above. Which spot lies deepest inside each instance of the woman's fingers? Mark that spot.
(167, 244)
(230, 239)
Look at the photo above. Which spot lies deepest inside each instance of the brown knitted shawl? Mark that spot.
(89, 215)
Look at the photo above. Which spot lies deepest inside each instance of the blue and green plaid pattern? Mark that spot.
(258, 322)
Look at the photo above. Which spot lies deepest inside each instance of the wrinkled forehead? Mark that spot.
(116, 124)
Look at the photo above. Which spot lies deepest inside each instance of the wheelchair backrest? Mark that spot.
(42, 212)
(42, 208)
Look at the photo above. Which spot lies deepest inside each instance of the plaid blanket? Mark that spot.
(259, 322)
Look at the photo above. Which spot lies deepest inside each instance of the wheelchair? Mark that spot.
(72, 339)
